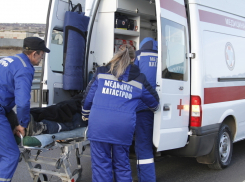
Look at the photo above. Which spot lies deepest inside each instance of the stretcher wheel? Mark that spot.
(20, 158)
(38, 166)
(41, 177)
(58, 164)
(79, 171)
(45, 178)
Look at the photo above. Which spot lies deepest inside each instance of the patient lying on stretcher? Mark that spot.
(42, 133)
(50, 127)
(64, 116)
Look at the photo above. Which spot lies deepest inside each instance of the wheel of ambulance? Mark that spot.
(79, 171)
(223, 148)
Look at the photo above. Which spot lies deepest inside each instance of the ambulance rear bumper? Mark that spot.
(200, 142)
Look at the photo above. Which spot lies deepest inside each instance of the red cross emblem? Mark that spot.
(180, 107)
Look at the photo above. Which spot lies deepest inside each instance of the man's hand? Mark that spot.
(84, 118)
(19, 130)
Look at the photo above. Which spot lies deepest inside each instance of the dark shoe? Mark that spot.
(34, 128)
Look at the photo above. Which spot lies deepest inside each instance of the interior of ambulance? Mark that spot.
(105, 36)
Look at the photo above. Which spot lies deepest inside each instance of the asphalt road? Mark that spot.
(169, 169)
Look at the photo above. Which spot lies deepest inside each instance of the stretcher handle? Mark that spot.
(21, 140)
(85, 133)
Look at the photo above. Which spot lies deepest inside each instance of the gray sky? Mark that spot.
(23, 11)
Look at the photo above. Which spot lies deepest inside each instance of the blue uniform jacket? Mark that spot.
(15, 85)
(110, 104)
(146, 59)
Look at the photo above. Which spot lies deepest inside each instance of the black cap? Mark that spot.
(35, 43)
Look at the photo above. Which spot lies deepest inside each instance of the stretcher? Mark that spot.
(66, 141)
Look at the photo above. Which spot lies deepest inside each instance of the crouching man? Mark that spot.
(15, 88)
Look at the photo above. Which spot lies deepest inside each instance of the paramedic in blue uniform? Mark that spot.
(109, 105)
(15, 88)
(146, 59)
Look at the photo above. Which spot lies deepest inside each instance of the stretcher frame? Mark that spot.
(40, 175)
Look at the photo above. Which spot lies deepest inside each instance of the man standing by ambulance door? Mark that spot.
(15, 89)
(146, 59)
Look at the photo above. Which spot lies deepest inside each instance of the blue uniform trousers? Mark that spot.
(144, 146)
(108, 158)
(9, 152)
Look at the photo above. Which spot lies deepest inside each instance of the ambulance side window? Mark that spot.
(56, 53)
(173, 50)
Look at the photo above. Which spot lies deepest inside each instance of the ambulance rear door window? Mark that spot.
(56, 54)
(173, 50)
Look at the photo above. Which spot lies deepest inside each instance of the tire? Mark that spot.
(38, 166)
(20, 158)
(223, 148)
(45, 178)
(79, 171)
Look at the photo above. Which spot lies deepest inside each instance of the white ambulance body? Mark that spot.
(200, 71)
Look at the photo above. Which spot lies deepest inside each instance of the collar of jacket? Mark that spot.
(131, 73)
(25, 57)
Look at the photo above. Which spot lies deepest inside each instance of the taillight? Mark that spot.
(196, 111)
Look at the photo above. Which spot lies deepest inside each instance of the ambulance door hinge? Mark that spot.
(45, 96)
(190, 55)
(44, 82)
(190, 133)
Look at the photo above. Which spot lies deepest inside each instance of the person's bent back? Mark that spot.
(15, 89)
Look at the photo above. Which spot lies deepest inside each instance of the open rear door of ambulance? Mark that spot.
(53, 67)
(173, 76)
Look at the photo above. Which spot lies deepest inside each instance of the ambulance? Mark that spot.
(200, 69)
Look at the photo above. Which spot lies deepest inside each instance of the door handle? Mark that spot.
(181, 88)
(166, 108)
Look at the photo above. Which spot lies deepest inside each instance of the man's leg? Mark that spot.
(55, 127)
(120, 162)
(9, 152)
(101, 162)
(144, 146)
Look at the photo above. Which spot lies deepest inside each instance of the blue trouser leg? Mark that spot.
(54, 127)
(107, 158)
(144, 146)
(120, 162)
(101, 162)
(9, 152)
